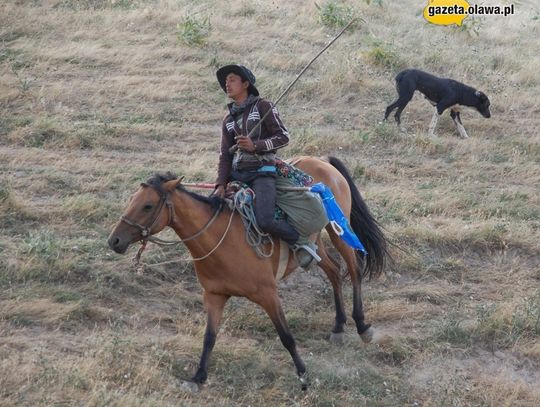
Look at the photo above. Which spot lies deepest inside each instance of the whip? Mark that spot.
(235, 147)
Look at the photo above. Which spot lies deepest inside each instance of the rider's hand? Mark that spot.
(245, 143)
(219, 191)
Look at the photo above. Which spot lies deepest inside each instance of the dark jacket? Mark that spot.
(270, 136)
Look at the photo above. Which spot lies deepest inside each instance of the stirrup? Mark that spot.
(310, 256)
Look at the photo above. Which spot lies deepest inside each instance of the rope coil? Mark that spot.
(243, 203)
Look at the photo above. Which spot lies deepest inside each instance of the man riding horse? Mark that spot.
(252, 159)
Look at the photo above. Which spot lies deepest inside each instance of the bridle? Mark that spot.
(165, 200)
(145, 230)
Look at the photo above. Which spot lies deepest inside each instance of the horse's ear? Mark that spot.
(171, 185)
(178, 181)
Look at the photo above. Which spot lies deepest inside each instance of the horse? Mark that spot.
(227, 266)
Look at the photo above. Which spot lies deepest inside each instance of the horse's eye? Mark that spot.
(147, 207)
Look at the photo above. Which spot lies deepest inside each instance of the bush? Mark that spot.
(44, 244)
(385, 57)
(335, 15)
(193, 31)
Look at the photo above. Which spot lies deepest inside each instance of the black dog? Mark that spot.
(443, 93)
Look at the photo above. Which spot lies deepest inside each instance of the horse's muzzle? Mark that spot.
(116, 244)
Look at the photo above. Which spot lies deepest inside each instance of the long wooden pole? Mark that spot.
(235, 147)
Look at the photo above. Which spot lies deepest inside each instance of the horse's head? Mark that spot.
(149, 211)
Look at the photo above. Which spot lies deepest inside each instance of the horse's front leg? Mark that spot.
(214, 305)
(270, 302)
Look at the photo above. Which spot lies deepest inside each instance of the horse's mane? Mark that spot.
(157, 180)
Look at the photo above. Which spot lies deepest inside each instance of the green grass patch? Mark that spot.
(78, 5)
(333, 14)
(451, 329)
(16, 58)
(66, 296)
(428, 145)
(44, 244)
(488, 236)
(86, 208)
(385, 132)
(305, 142)
(397, 353)
(193, 30)
(8, 124)
(44, 255)
(500, 325)
(384, 56)
(45, 132)
(496, 325)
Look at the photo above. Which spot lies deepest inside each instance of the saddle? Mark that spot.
(302, 209)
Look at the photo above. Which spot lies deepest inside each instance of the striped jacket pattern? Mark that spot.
(269, 137)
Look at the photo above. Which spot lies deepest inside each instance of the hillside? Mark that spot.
(98, 95)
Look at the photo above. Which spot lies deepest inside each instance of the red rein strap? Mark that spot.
(199, 185)
(137, 260)
(213, 186)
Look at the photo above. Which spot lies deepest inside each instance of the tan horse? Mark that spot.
(230, 267)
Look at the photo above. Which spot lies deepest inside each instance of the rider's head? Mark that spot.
(237, 82)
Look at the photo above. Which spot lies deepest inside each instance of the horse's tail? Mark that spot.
(366, 228)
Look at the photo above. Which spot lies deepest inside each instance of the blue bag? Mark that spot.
(337, 218)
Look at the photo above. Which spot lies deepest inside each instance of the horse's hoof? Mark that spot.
(367, 337)
(190, 387)
(304, 381)
(337, 338)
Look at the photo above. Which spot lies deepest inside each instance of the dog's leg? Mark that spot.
(405, 90)
(389, 109)
(398, 114)
(454, 114)
(433, 124)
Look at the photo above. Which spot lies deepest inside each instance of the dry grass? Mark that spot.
(97, 95)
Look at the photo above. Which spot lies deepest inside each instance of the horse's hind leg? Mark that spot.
(331, 268)
(270, 302)
(214, 305)
(364, 330)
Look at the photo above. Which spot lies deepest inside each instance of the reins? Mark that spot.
(146, 237)
(165, 199)
(162, 242)
(220, 241)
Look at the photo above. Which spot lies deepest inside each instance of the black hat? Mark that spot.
(241, 71)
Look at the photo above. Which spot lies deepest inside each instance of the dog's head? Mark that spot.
(482, 104)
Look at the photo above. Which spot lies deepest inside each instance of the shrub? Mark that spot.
(385, 57)
(335, 15)
(44, 244)
(385, 132)
(193, 31)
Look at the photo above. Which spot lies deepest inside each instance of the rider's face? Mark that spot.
(235, 87)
